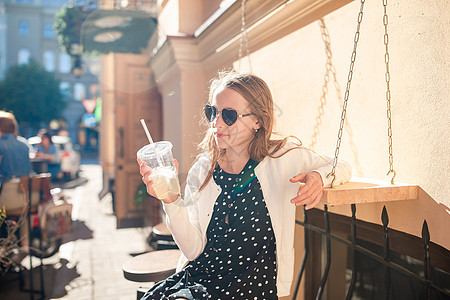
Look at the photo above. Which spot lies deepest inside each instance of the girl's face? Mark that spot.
(238, 136)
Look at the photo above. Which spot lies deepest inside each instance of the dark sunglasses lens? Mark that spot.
(229, 116)
(210, 112)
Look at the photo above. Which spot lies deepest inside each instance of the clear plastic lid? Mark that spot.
(162, 148)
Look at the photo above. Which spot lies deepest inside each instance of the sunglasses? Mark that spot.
(229, 116)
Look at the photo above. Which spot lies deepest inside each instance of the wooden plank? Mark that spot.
(363, 190)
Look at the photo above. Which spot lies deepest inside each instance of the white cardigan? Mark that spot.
(188, 219)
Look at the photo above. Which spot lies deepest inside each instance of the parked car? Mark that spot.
(69, 157)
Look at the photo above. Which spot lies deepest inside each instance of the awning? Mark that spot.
(123, 31)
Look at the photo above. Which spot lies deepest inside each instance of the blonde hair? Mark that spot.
(8, 123)
(258, 95)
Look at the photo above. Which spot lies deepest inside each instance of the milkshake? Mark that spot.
(158, 156)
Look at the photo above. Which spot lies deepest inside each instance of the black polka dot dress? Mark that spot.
(239, 260)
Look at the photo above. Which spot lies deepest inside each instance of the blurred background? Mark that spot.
(43, 84)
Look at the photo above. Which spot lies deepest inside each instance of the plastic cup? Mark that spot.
(158, 156)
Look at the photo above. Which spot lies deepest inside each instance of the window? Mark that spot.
(64, 88)
(23, 57)
(79, 91)
(24, 1)
(49, 60)
(24, 28)
(64, 63)
(48, 31)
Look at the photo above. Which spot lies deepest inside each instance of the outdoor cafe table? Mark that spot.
(39, 165)
(152, 266)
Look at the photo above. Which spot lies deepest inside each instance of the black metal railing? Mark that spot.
(434, 289)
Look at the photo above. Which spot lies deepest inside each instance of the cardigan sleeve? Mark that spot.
(323, 164)
(182, 215)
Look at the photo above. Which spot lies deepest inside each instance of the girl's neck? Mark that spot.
(233, 162)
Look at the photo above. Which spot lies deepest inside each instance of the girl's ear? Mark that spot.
(257, 126)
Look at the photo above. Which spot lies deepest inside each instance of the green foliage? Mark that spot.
(68, 22)
(32, 94)
(141, 195)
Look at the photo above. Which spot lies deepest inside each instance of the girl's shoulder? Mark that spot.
(202, 158)
(201, 162)
(199, 170)
(291, 144)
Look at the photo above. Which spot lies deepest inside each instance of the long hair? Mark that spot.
(258, 95)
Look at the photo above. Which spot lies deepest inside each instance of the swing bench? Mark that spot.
(363, 190)
(359, 190)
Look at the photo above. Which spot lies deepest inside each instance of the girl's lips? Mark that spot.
(220, 135)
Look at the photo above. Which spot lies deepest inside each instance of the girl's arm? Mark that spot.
(314, 177)
(182, 214)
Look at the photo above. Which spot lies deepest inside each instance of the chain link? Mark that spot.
(347, 92)
(243, 42)
(388, 91)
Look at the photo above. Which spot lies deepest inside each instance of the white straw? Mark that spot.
(146, 131)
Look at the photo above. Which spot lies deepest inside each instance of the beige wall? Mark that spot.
(419, 86)
(181, 84)
(294, 65)
(168, 18)
(185, 16)
(194, 12)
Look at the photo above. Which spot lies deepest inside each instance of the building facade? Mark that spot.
(26, 31)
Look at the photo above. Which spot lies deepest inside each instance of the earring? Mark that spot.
(256, 131)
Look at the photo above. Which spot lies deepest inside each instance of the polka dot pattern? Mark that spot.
(239, 260)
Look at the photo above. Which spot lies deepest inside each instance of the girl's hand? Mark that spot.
(310, 192)
(146, 171)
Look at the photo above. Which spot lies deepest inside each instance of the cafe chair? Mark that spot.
(19, 196)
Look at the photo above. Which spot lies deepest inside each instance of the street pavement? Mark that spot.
(89, 263)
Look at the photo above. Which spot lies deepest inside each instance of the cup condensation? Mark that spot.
(158, 156)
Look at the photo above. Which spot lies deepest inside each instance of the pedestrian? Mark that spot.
(14, 163)
(235, 225)
(47, 151)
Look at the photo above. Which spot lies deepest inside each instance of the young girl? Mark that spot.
(235, 225)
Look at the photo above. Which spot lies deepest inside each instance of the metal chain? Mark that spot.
(243, 42)
(388, 91)
(326, 78)
(323, 100)
(347, 92)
